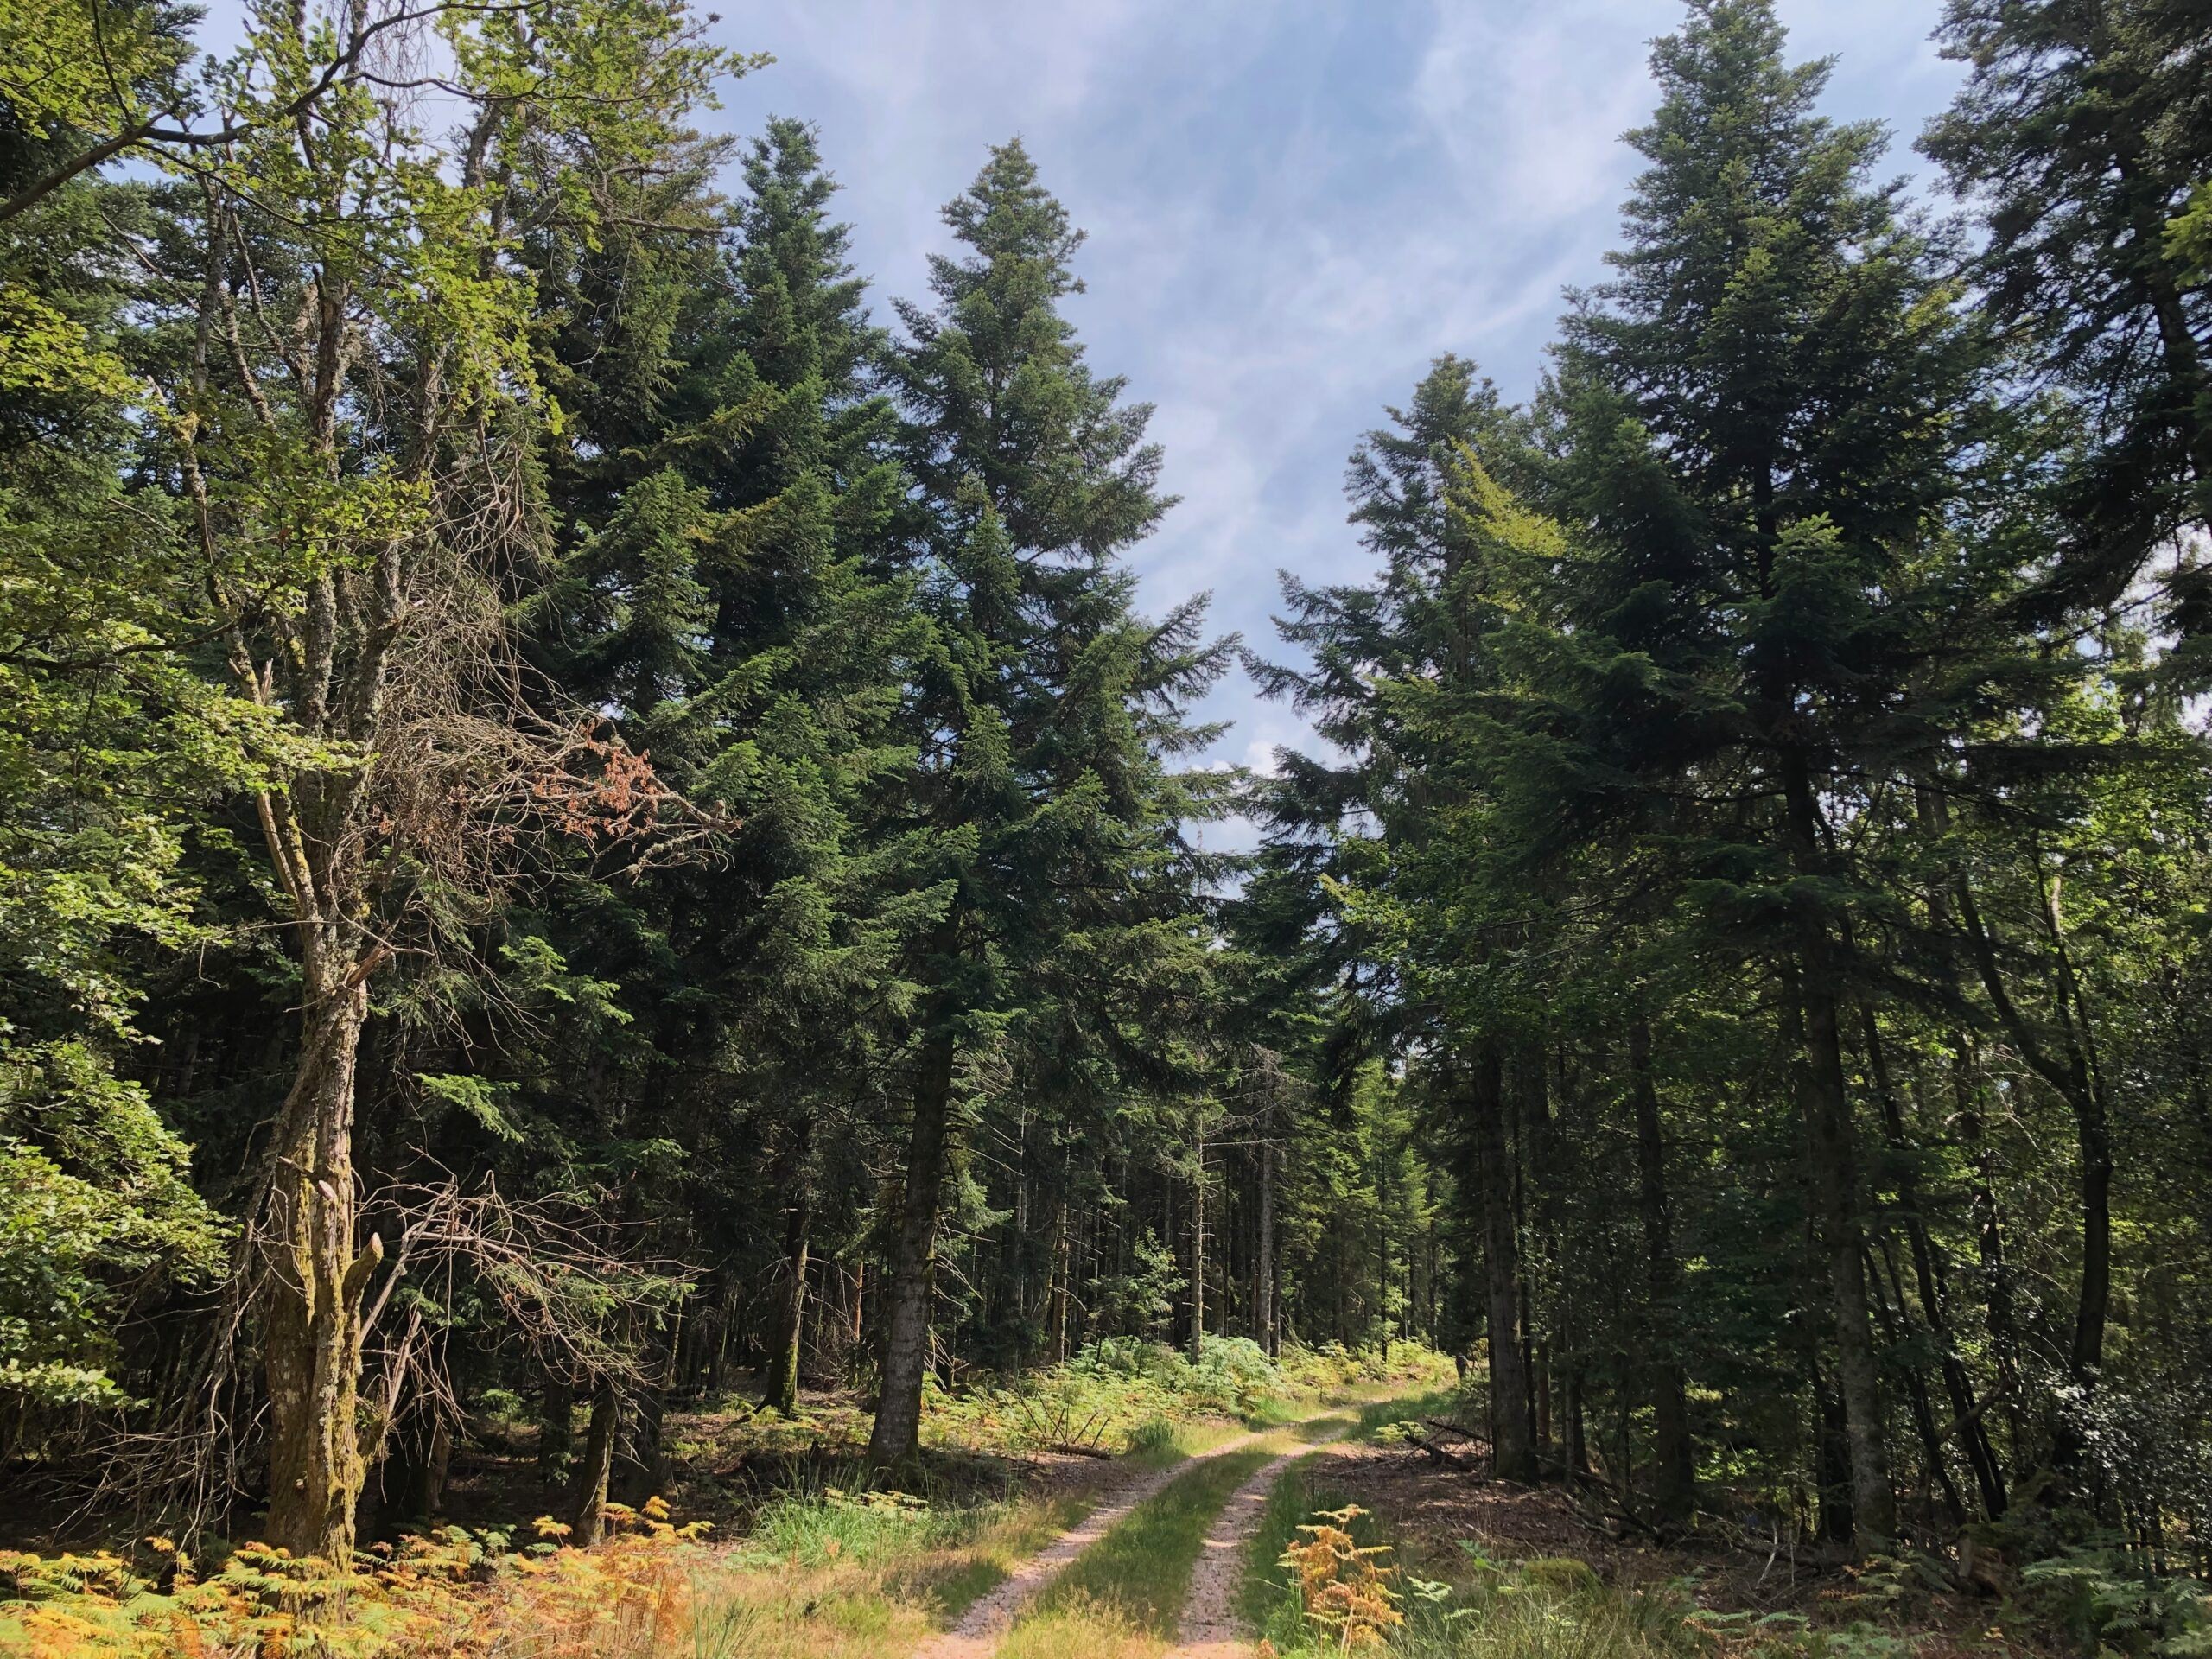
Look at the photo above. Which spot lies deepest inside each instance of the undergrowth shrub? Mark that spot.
(2098, 1598)
(453, 1591)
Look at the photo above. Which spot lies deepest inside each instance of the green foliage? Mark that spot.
(93, 1193)
(2108, 1604)
(863, 1529)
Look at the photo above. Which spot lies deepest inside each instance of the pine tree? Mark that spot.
(1760, 416)
(1050, 709)
(2080, 135)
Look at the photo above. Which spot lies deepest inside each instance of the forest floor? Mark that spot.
(1173, 1549)
(1531, 1572)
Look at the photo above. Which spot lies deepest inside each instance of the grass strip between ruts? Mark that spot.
(1137, 1575)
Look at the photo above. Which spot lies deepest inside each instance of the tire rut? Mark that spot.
(987, 1622)
(1211, 1628)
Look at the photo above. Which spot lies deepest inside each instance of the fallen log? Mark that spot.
(1451, 1458)
(1461, 1430)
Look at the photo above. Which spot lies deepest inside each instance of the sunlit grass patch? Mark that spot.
(1142, 1568)
(940, 1558)
(839, 1612)
(1082, 1629)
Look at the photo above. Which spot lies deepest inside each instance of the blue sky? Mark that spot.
(1292, 208)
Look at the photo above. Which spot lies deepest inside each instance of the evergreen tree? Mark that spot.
(1760, 417)
(1050, 711)
(726, 499)
(2082, 137)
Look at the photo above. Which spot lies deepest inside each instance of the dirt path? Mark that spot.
(1211, 1628)
(985, 1623)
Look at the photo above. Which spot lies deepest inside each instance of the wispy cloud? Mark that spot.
(1293, 209)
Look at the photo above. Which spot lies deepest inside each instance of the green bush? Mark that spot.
(2097, 1599)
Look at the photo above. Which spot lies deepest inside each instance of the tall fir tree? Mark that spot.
(1052, 712)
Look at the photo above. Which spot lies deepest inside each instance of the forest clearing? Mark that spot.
(643, 1008)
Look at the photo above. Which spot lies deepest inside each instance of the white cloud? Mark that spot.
(1293, 209)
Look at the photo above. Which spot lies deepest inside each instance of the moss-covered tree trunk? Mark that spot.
(311, 1334)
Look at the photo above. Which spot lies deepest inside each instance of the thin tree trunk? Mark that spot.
(1383, 1241)
(1198, 1255)
(1918, 1406)
(1674, 1484)
(1263, 1267)
(782, 1392)
(1513, 1434)
(897, 1435)
(2072, 1073)
(588, 1499)
(1063, 1262)
(1928, 1278)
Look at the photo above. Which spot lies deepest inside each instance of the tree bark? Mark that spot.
(1199, 1256)
(1835, 1182)
(1063, 1262)
(588, 1499)
(782, 1392)
(1263, 1265)
(312, 1301)
(896, 1438)
(1513, 1434)
(1673, 1481)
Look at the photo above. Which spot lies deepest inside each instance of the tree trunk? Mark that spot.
(588, 1499)
(1198, 1257)
(896, 1438)
(1834, 1181)
(782, 1392)
(1263, 1265)
(1674, 1480)
(556, 1426)
(1514, 1435)
(1996, 1271)
(1063, 1263)
(1383, 1241)
(1928, 1278)
(1918, 1405)
(312, 1301)
(2073, 1072)
(1836, 1192)
(1832, 1460)
(426, 1489)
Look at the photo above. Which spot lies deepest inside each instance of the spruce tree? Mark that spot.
(727, 500)
(1759, 418)
(1051, 712)
(2082, 137)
